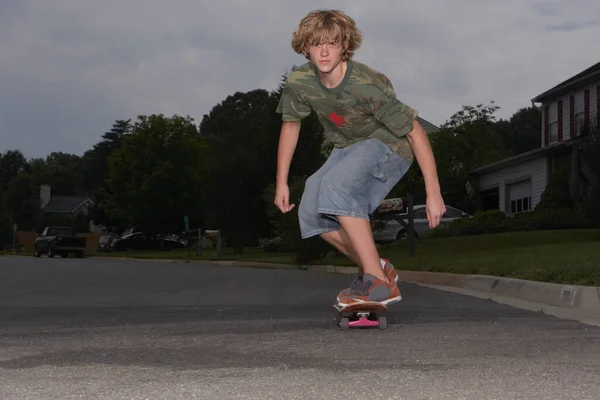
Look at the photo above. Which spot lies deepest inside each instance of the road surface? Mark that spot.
(120, 329)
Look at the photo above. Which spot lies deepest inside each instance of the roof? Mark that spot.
(428, 126)
(66, 204)
(584, 77)
(542, 151)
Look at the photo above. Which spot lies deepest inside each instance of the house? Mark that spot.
(516, 184)
(69, 205)
(427, 126)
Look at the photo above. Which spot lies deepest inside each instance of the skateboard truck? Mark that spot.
(360, 315)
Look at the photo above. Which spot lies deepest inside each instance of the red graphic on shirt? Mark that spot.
(337, 119)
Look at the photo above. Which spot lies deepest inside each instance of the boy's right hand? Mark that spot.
(282, 198)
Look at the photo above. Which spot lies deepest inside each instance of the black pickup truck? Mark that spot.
(59, 240)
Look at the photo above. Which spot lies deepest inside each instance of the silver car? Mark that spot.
(393, 230)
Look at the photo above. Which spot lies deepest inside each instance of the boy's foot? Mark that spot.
(370, 289)
(388, 270)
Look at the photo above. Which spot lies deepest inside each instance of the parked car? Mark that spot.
(59, 240)
(141, 241)
(393, 230)
(104, 242)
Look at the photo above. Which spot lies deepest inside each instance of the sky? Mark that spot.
(70, 68)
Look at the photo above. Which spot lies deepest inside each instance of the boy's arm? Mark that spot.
(293, 109)
(288, 139)
(420, 145)
(401, 120)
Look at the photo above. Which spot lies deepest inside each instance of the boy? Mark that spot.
(376, 138)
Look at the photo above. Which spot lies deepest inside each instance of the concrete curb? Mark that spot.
(553, 298)
(552, 294)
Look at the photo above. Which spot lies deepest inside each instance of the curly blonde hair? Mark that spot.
(321, 26)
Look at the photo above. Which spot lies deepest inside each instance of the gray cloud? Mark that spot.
(70, 68)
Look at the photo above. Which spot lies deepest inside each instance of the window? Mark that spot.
(520, 205)
(579, 113)
(490, 199)
(519, 196)
(553, 123)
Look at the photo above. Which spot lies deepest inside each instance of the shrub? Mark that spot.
(287, 228)
(540, 219)
(271, 245)
(551, 219)
(556, 195)
(493, 221)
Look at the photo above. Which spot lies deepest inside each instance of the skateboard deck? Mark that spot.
(361, 315)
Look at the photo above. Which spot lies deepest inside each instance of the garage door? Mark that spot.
(519, 196)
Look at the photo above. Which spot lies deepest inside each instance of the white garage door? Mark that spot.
(519, 196)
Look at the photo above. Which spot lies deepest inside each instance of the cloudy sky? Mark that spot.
(70, 68)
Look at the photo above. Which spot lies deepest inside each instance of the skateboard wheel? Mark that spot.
(345, 323)
(336, 320)
(382, 322)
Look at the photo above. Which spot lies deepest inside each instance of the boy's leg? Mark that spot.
(350, 191)
(361, 238)
(340, 240)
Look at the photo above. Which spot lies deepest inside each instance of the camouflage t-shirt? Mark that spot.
(362, 106)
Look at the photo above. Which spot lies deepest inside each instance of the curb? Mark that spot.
(552, 294)
(568, 301)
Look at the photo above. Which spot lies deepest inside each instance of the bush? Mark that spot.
(270, 245)
(551, 219)
(556, 195)
(287, 228)
(493, 221)
(497, 222)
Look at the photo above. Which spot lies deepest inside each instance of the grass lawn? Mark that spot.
(569, 256)
(566, 256)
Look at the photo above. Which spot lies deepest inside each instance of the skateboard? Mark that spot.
(360, 315)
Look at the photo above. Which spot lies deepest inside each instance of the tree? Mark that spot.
(467, 141)
(22, 202)
(243, 135)
(522, 132)
(12, 163)
(95, 160)
(589, 171)
(155, 179)
(241, 132)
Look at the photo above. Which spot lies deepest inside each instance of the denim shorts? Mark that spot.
(353, 182)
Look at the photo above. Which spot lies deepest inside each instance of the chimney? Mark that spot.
(45, 194)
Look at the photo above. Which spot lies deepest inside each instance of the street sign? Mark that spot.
(186, 222)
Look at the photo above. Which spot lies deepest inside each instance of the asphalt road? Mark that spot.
(116, 329)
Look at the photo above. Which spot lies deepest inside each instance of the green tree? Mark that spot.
(95, 160)
(12, 163)
(522, 132)
(467, 141)
(589, 172)
(243, 134)
(155, 179)
(22, 202)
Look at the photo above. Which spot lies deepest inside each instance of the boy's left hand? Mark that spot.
(435, 209)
